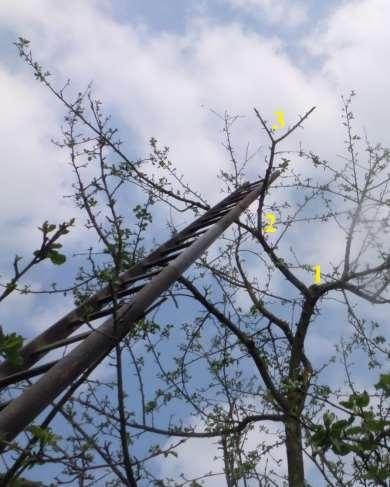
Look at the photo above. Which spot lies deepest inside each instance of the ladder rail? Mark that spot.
(69, 323)
(21, 411)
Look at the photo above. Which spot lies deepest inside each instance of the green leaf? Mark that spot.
(50, 227)
(315, 159)
(384, 384)
(347, 404)
(328, 418)
(23, 41)
(253, 310)
(45, 435)
(47, 227)
(10, 286)
(339, 426)
(150, 406)
(56, 258)
(55, 246)
(10, 346)
(283, 166)
(340, 448)
(362, 400)
(320, 437)
(377, 425)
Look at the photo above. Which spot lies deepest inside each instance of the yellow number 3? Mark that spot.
(280, 116)
(270, 228)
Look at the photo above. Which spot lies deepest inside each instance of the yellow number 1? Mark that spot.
(317, 279)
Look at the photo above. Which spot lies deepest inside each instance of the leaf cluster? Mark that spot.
(362, 434)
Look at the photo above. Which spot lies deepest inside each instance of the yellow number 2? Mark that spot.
(270, 228)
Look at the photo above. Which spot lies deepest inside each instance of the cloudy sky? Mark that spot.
(160, 68)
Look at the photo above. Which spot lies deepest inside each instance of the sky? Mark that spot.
(161, 70)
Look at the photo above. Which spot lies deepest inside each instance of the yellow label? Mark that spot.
(280, 117)
(270, 228)
(317, 278)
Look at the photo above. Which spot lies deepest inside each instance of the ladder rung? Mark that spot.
(217, 216)
(221, 212)
(239, 196)
(216, 213)
(236, 194)
(190, 235)
(230, 205)
(61, 343)
(93, 316)
(210, 218)
(205, 223)
(224, 207)
(34, 371)
(119, 293)
(160, 261)
(26, 374)
(138, 278)
(175, 247)
(132, 290)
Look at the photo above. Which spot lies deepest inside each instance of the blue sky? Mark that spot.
(158, 67)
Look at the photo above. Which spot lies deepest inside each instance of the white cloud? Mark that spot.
(158, 82)
(30, 168)
(28, 314)
(199, 455)
(354, 45)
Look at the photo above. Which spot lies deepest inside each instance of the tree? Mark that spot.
(249, 338)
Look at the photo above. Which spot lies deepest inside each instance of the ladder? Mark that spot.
(143, 283)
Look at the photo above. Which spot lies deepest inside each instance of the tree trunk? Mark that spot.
(294, 453)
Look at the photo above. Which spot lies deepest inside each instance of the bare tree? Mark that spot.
(247, 340)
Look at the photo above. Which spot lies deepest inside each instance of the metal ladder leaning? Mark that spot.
(145, 281)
